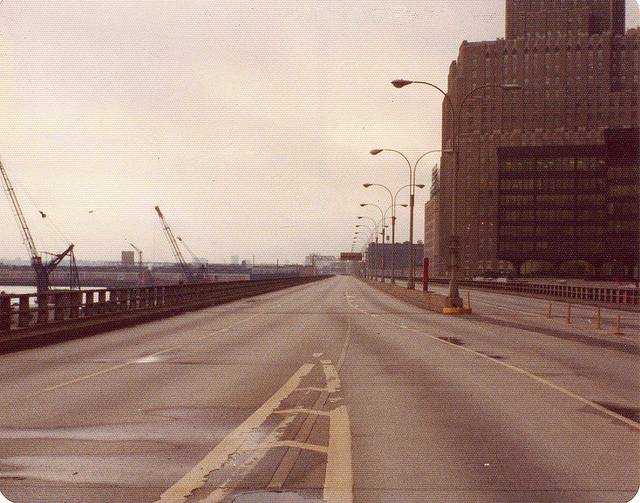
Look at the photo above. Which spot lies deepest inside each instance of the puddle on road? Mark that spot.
(628, 412)
(495, 357)
(452, 340)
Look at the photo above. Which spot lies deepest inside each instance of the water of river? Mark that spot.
(32, 289)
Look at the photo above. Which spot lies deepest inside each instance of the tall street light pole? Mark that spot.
(412, 196)
(375, 259)
(454, 244)
(382, 215)
(393, 227)
(366, 245)
(394, 198)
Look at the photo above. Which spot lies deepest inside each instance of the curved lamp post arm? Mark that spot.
(401, 83)
(376, 206)
(367, 185)
(375, 224)
(415, 166)
(378, 150)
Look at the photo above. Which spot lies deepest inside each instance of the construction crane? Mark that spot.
(141, 272)
(184, 267)
(202, 268)
(42, 269)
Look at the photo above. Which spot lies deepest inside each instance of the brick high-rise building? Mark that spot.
(548, 172)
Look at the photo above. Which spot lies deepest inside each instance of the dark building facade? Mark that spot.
(374, 254)
(548, 171)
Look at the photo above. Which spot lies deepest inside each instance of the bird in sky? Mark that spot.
(42, 214)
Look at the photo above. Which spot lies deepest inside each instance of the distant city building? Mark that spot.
(373, 257)
(548, 174)
(128, 257)
(431, 217)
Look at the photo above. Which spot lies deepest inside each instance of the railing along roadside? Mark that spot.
(623, 296)
(22, 311)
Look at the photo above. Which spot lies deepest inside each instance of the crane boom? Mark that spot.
(196, 260)
(42, 270)
(140, 269)
(186, 270)
(27, 238)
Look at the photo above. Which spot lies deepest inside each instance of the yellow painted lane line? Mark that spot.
(338, 479)
(197, 477)
(331, 375)
(226, 487)
(532, 376)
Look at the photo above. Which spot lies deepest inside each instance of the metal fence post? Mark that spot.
(43, 308)
(5, 312)
(24, 315)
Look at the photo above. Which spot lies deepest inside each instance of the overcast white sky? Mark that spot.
(248, 122)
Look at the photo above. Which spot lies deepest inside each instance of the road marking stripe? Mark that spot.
(288, 443)
(331, 375)
(136, 360)
(225, 488)
(338, 479)
(198, 475)
(345, 345)
(629, 422)
(302, 410)
(317, 355)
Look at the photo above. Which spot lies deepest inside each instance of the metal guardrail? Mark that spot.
(23, 311)
(628, 296)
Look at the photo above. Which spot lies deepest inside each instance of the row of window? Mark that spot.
(623, 208)
(555, 231)
(556, 164)
(623, 191)
(623, 172)
(569, 247)
(552, 215)
(550, 200)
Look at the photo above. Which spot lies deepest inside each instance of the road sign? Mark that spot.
(356, 257)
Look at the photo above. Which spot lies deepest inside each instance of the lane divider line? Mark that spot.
(338, 479)
(197, 477)
(135, 360)
(566, 392)
(225, 488)
(289, 443)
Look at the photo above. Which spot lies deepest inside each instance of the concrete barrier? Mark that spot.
(426, 300)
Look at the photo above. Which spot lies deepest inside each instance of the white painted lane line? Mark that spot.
(317, 355)
(197, 477)
(530, 375)
(338, 479)
(142, 359)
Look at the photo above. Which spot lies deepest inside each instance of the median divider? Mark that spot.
(27, 320)
(426, 300)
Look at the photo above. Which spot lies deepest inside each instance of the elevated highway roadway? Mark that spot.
(331, 391)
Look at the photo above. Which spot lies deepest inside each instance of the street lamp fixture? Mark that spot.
(456, 112)
(401, 83)
(412, 191)
(383, 222)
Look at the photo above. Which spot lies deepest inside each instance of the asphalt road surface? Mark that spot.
(331, 391)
